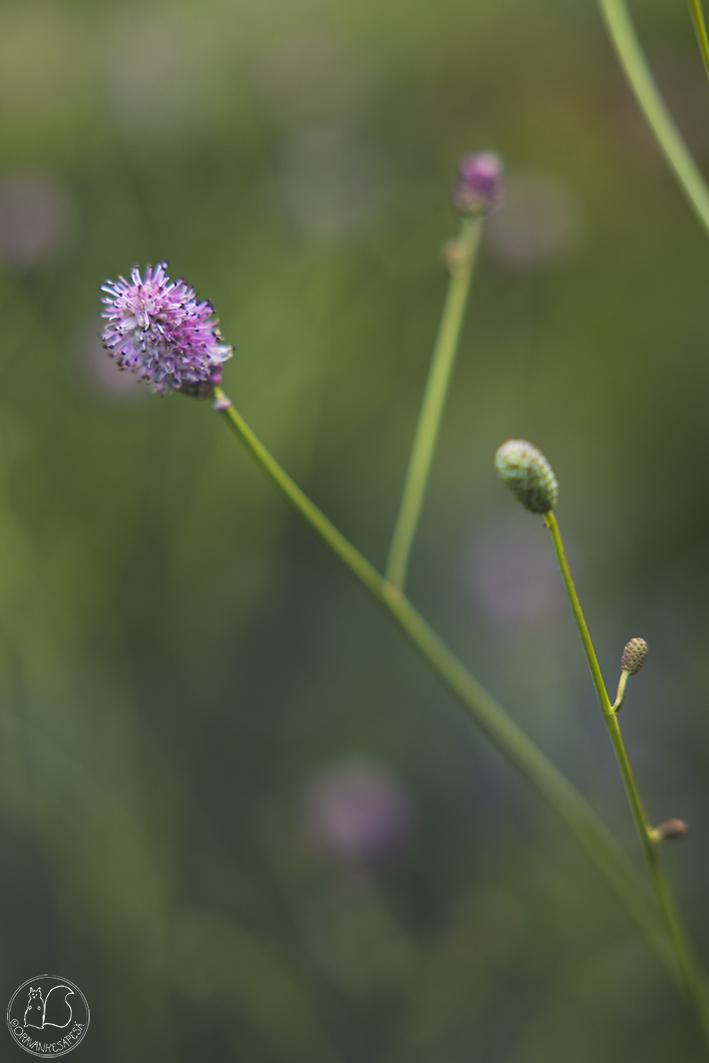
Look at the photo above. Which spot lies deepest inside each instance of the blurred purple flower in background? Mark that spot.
(539, 219)
(36, 217)
(360, 810)
(511, 573)
(330, 180)
(157, 329)
(165, 70)
(314, 76)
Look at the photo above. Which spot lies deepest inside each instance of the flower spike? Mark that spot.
(158, 330)
(528, 474)
(631, 661)
(634, 655)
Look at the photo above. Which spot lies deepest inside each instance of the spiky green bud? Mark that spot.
(634, 656)
(528, 474)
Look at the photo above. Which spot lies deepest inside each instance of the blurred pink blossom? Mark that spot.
(36, 217)
(540, 218)
(360, 810)
(511, 573)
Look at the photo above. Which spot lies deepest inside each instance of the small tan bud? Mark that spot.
(634, 656)
(671, 829)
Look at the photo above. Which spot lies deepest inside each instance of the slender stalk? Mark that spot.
(700, 29)
(428, 426)
(692, 974)
(620, 695)
(633, 61)
(694, 977)
(598, 683)
(621, 874)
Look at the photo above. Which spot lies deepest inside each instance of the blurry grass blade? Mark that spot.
(633, 61)
(695, 10)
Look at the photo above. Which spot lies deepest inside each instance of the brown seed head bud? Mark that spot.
(634, 656)
(671, 829)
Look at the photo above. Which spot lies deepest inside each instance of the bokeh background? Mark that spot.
(235, 808)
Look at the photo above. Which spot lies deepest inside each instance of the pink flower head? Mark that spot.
(479, 183)
(157, 329)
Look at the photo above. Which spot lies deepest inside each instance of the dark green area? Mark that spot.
(182, 666)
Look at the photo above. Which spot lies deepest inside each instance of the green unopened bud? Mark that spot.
(528, 474)
(634, 656)
(670, 830)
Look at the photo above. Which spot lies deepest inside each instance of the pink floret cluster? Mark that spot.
(479, 184)
(157, 329)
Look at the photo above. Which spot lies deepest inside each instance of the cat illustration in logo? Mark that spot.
(47, 1011)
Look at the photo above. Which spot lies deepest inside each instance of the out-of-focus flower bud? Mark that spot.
(634, 656)
(528, 474)
(479, 184)
(670, 829)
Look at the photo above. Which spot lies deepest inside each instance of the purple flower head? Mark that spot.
(479, 184)
(157, 329)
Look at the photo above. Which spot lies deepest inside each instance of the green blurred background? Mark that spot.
(235, 809)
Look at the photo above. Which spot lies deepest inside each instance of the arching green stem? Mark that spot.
(692, 974)
(621, 874)
(635, 65)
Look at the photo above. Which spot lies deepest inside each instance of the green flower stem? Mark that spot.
(620, 695)
(598, 683)
(700, 29)
(692, 975)
(633, 61)
(427, 429)
(560, 794)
